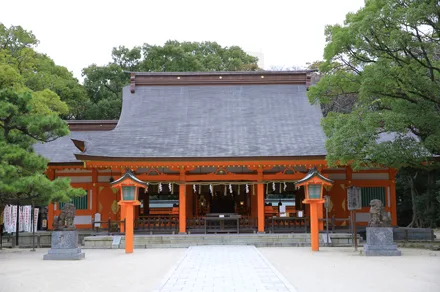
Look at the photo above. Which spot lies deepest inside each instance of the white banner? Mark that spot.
(7, 218)
(25, 219)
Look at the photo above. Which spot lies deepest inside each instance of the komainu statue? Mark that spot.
(379, 218)
(64, 222)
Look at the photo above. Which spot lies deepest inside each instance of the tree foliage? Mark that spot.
(384, 65)
(25, 69)
(34, 93)
(22, 177)
(379, 90)
(104, 83)
(418, 197)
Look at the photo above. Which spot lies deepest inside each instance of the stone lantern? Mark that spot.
(314, 183)
(129, 185)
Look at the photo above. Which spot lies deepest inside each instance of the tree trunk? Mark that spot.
(411, 182)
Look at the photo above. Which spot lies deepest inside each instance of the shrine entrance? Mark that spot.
(222, 204)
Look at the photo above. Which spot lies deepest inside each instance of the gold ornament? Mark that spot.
(115, 207)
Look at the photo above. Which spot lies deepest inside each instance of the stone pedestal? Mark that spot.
(64, 246)
(380, 242)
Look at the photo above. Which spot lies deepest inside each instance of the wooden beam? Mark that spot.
(188, 164)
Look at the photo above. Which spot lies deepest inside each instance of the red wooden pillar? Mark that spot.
(260, 207)
(51, 208)
(50, 215)
(189, 201)
(129, 234)
(393, 199)
(320, 210)
(123, 216)
(314, 228)
(94, 201)
(182, 208)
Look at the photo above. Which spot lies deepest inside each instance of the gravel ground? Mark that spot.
(342, 269)
(330, 269)
(102, 270)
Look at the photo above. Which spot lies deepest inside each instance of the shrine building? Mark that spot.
(210, 144)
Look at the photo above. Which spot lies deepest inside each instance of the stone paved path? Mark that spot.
(224, 268)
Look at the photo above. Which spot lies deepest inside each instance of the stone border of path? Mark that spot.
(169, 274)
(288, 285)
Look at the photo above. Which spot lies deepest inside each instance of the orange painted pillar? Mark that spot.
(123, 216)
(393, 201)
(254, 202)
(51, 208)
(189, 201)
(129, 233)
(260, 207)
(314, 226)
(320, 216)
(182, 208)
(50, 215)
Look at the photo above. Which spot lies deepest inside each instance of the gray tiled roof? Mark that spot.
(62, 149)
(213, 121)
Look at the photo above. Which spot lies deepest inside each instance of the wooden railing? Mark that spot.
(157, 224)
(334, 225)
(197, 225)
(286, 224)
(248, 224)
(109, 226)
(170, 224)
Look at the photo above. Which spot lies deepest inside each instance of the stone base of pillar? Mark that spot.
(380, 242)
(64, 246)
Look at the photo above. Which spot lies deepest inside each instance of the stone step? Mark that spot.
(183, 241)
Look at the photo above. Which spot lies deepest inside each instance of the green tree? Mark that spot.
(22, 67)
(388, 56)
(104, 83)
(383, 66)
(22, 172)
(176, 56)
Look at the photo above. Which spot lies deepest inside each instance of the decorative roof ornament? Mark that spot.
(313, 172)
(314, 183)
(128, 175)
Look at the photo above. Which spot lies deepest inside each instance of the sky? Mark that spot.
(76, 34)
